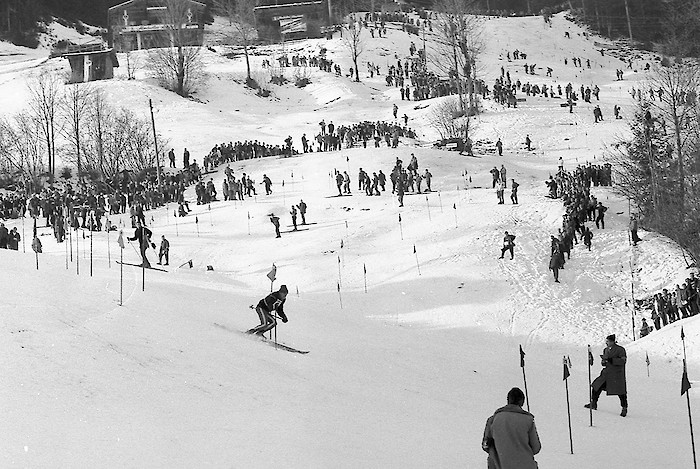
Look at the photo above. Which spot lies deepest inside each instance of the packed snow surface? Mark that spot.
(403, 375)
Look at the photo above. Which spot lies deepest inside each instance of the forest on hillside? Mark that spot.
(650, 22)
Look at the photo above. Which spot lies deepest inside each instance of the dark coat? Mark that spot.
(555, 261)
(614, 360)
(511, 439)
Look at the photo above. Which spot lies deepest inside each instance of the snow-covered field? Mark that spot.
(402, 376)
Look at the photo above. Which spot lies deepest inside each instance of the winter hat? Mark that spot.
(611, 337)
(283, 289)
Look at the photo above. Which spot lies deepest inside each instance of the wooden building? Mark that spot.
(90, 63)
(147, 24)
(291, 19)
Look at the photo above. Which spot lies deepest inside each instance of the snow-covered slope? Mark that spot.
(403, 375)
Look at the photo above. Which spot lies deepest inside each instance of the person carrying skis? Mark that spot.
(143, 235)
(268, 309)
(508, 245)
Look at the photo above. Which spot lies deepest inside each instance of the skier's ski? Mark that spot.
(282, 346)
(139, 265)
(265, 340)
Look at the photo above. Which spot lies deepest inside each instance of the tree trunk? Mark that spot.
(247, 59)
(180, 72)
(357, 72)
(629, 22)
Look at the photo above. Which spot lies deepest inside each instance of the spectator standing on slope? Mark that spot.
(508, 245)
(612, 378)
(276, 221)
(510, 437)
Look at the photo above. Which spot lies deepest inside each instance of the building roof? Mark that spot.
(287, 5)
(132, 1)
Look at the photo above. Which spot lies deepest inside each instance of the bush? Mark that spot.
(66, 173)
(263, 93)
(278, 80)
(251, 83)
(302, 82)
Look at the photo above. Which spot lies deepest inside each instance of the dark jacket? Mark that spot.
(273, 302)
(614, 359)
(143, 235)
(511, 439)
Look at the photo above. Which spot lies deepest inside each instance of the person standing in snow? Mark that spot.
(302, 211)
(587, 236)
(514, 191)
(268, 309)
(600, 218)
(268, 184)
(293, 213)
(276, 221)
(503, 176)
(528, 143)
(508, 245)
(633, 230)
(510, 437)
(143, 235)
(499, 147)
(164, 250)
(612, 378)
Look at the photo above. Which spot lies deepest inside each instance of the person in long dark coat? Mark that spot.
(612, 378)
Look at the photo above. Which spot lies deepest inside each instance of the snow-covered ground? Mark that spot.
(403, 375)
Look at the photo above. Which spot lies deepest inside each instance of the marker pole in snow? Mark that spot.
(346, 232)
(175, 215)
(590, 388)
(70, 239)
(24, 250)
(427, 203)
(568, 406)
(121, 276)
(66, 248)
(522, 365)
(454, 207)
(77, 253)
(415, 253)
(211, 221)
(196, 223)
(340, 298)
(248, 223)
(400, 227)
(91, 230)
(364, 268)
(284, 195)
(339, 276)
(109, 252)
(440, 199)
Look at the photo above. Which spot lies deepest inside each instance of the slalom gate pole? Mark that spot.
(77, 253)
(590, 391)
(109, 252)
(440, 199)
(690, 421)
(568, 411)
(175, 216)
(527, 396)
(64, 240)
(121, 277)
(24, 250)
(37, 260)
(427, 203)
(91, 231)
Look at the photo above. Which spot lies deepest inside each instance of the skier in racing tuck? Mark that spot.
(269, 307)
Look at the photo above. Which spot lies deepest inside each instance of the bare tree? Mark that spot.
(673, 86)
(177, 67)
(353, 41)
(449, 121)
(76, 110)
(21, 148)
(241, 16)
(458, 45)
(44, 103)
